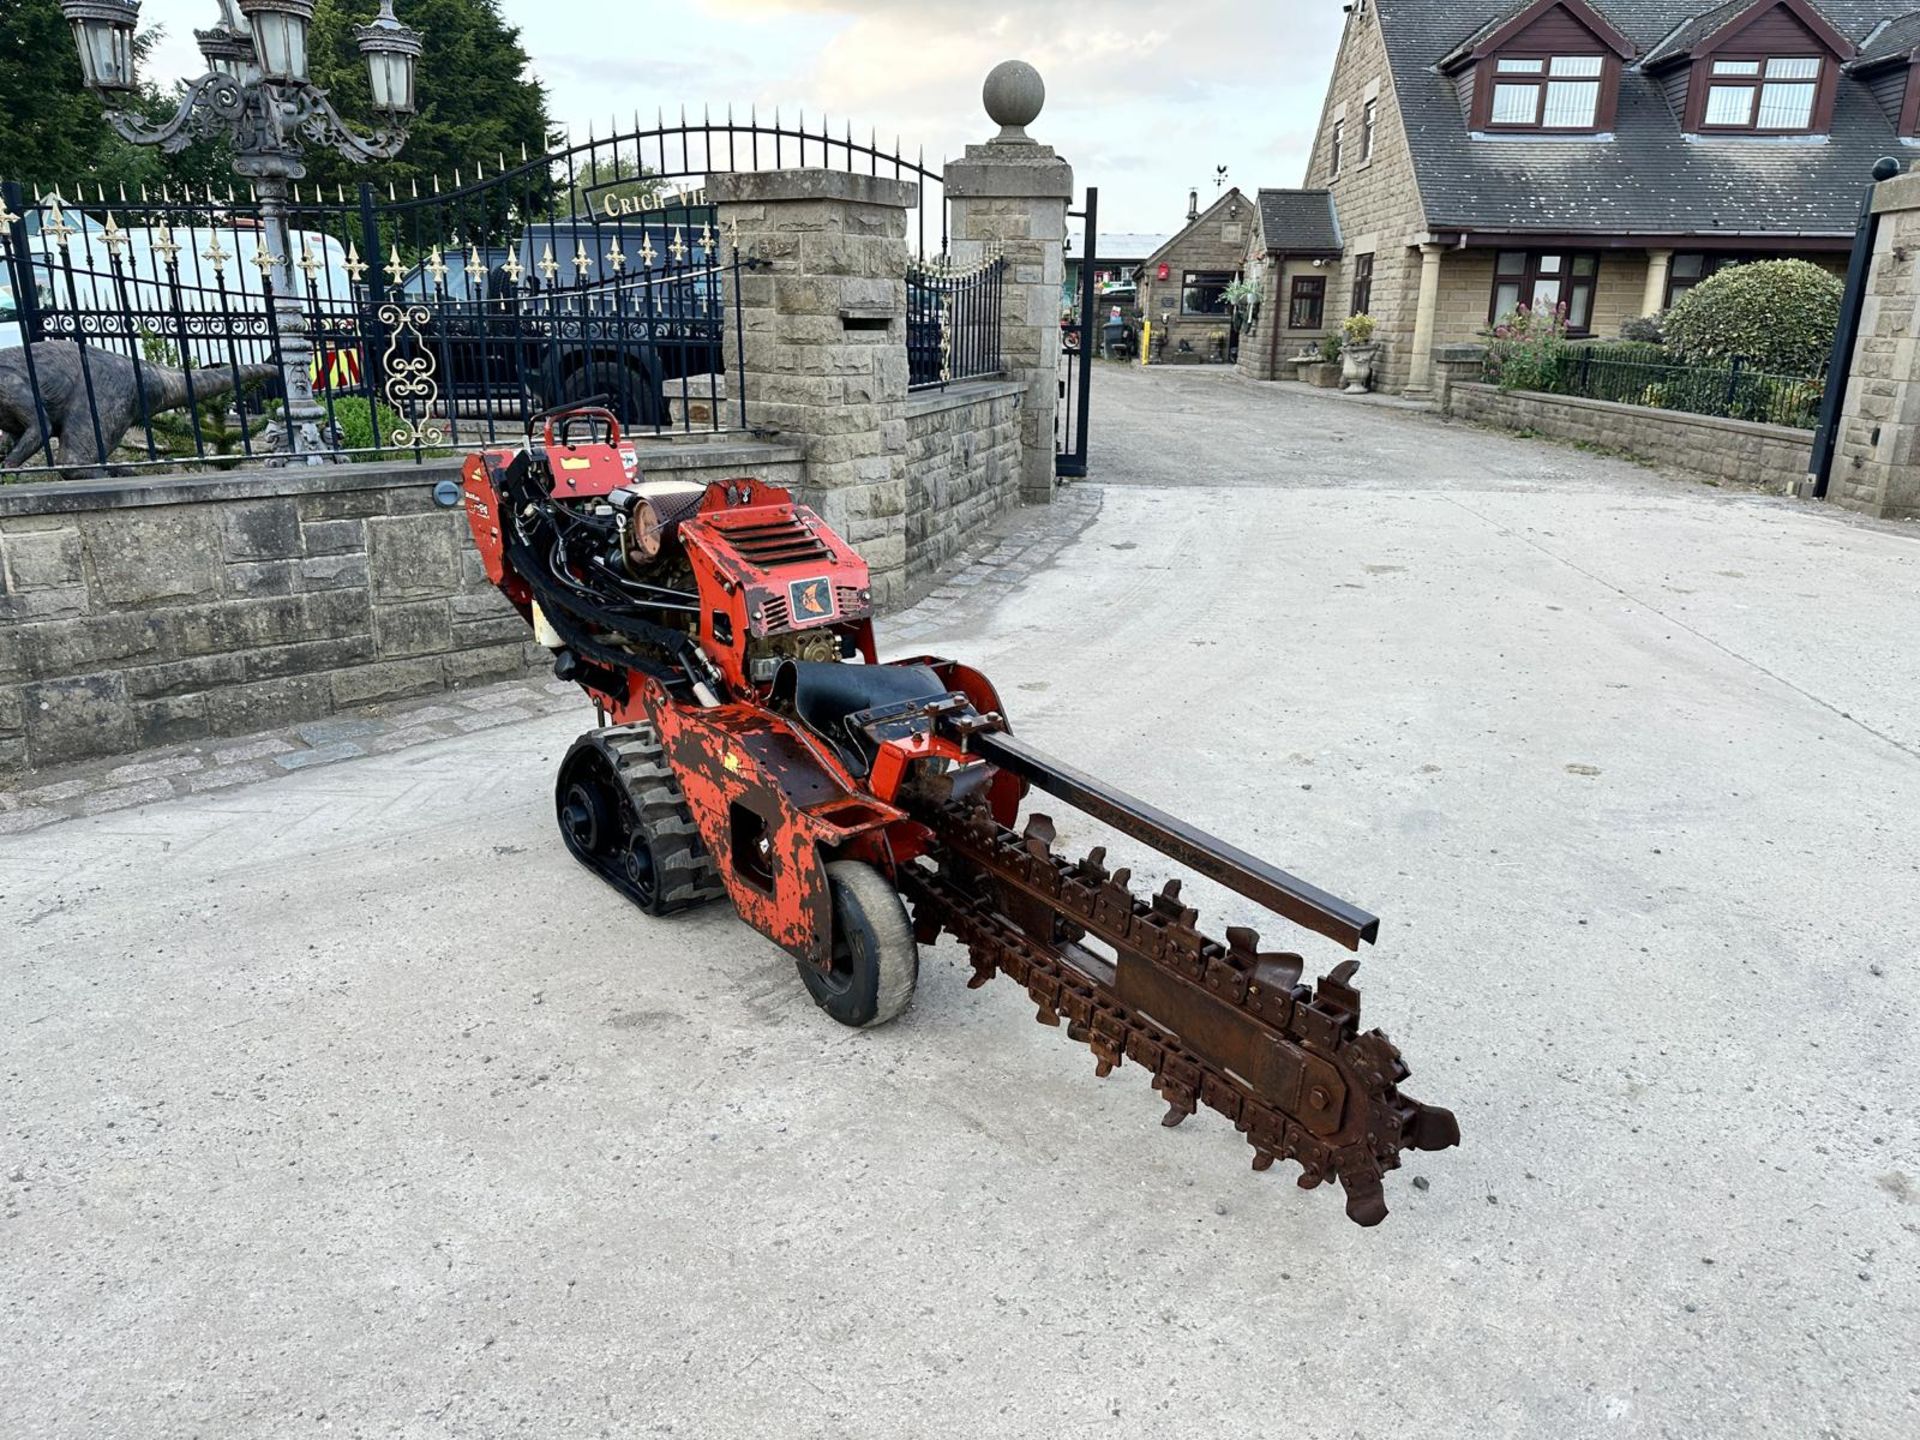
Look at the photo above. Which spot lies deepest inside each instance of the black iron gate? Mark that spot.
(1078, 337)
(439, 318)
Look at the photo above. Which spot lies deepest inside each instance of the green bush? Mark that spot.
(1644, 329)
(1777, 315)
(357, 416)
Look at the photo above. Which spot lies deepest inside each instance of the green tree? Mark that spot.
(54, 134)
(50, 127)
(477, 98)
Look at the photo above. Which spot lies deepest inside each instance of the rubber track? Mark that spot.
(685, 871)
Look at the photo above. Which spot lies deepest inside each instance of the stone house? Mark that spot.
(1295, 253)
(1181, 283)
(1604, 155)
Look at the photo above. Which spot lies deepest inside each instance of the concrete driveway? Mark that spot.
(346, 1104)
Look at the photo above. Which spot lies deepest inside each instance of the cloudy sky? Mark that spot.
(1145, 99)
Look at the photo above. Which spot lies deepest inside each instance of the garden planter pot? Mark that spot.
(1325, 375)
(1356, 367)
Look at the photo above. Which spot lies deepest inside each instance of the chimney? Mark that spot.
(1193, 206)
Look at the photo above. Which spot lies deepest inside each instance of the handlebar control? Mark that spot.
(605, 426)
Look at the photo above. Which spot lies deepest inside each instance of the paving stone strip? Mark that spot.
(1020, 544)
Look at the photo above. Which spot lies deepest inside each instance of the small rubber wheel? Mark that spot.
(875, 961)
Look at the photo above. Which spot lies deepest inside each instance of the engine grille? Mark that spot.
(777, 542)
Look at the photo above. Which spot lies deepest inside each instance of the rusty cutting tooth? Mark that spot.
(1433, 1128)
(1039, 836)
(1263, 1159)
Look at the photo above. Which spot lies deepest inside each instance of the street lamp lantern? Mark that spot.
(228, 52)
(280, 37)
(259, 97)
(103, 34)
(393, 52)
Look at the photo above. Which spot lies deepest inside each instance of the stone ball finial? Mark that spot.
(1013, 95)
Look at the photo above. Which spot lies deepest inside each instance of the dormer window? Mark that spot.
(1766, 67)
(1552, 66)
(1556, 92)
(1772, 95)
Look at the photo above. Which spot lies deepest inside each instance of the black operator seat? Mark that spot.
(825, 692)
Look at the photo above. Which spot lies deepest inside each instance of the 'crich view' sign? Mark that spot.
(608, 203)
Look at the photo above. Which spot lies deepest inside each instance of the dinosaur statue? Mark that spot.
(122, 392)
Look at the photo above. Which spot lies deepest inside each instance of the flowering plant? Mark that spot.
(1526, 346)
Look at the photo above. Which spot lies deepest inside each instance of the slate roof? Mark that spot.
(1896, 41)
(1647, 178)
(1299, 222)
(1695, 29)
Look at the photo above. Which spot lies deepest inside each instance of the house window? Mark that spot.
(1557, 92)
(1362, 284)
(1775, 94)
(1544, 278)
(1201, 292)
(1369, 118)
(1688, 269)
(1307, 302)
(1339, 143)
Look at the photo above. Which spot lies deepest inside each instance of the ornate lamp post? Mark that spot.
(258, 93)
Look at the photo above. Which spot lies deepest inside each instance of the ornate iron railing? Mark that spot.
(443, 317)
(953, 321)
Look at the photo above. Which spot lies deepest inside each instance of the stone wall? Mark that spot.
(1770, 455)
(139, 612)
(1876, 461)
(963, 467)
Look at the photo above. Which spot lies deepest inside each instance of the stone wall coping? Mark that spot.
(741, 455)
(68, 497)
(753, 186)
(1900, 193)
(65, 497)
(959, 394)
(1611, 407)
(1459, 350)
(1008, 171)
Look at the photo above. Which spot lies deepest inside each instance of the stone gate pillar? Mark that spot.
(1012, 192)
(820, 350)
(1876, 460)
